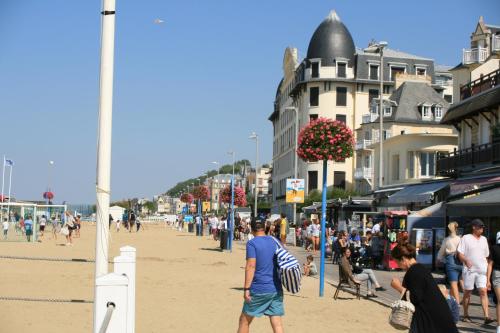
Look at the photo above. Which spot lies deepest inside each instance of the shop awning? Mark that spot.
(484, 204)
(420, 193)
(428, 218)
(470, 184)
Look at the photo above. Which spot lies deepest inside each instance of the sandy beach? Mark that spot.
(184, 284)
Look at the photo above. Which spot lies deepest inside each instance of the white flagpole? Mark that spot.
(103, 186)
(3, 181)
(3, 175)
(104, 137)
(10, 186)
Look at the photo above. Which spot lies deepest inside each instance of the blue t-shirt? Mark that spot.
(266, 279)
(28, 224)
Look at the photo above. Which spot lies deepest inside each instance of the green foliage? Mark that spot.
(150, 206)
(332, 193)
(239, 166)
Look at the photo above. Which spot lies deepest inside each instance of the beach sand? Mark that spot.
(184, 284)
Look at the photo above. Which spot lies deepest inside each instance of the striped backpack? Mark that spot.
(289, 269)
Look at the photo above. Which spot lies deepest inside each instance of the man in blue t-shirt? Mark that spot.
(263, 293)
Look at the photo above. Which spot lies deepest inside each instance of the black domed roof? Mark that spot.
(331, 40)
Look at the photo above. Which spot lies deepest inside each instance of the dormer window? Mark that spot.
(374, 72)
(438, 112)
(420, 71)
(396, 70)
(315, 69)
(341, 69)
(387, 111)
(426, 112)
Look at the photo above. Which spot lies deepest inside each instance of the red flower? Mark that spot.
(325, 139)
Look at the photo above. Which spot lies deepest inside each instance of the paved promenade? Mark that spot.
(387, 297)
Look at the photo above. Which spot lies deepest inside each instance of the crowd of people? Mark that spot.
(66, 224)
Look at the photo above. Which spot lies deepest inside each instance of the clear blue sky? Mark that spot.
(186, 91)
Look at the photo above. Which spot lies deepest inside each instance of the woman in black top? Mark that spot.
(493, 274)
(432, 314)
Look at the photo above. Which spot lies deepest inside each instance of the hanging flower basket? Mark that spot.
(325, 139)
(240, 199)
(48, 195)
(201, 193)
(187, 198)
(3, 198)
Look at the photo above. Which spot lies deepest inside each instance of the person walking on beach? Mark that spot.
(131, 221)
(262, 291)
(432, 314)
(28, 227)
(54, 223)
(5, 225)
(453, 266)
(473, 252)
(42, 222)
(283, 227)
(70, 225)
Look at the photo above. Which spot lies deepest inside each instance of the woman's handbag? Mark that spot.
(64, 231)
(401, 313)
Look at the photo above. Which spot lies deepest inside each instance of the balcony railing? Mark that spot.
(495, 43)
(362, 144)
(363, 173)
(476, 55)
(482, 84)
(468, 159)
(444, 83)
(369, 118)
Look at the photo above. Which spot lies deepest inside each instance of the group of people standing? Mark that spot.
(471, 263)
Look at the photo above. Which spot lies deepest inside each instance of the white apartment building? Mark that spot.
(337, 81)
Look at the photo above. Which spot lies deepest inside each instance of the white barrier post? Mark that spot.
(111, 288)
(125, 264)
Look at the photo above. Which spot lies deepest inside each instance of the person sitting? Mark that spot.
(359, 275)
(310, 268)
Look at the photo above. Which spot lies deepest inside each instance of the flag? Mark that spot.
(9, 162)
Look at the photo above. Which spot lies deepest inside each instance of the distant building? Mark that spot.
(413, 136)
(216, 184)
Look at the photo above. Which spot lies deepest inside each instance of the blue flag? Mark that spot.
(9, 162)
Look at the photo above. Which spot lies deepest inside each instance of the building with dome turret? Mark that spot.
(339, 81)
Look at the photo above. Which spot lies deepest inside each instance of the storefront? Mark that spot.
(483, 205)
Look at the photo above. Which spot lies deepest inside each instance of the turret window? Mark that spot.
(315, 69)
(341, 69)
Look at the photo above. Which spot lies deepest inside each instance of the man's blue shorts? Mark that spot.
(264, 304)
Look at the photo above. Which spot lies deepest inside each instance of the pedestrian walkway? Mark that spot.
(387, 297)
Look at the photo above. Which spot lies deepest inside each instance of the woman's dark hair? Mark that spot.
(405, 250)
(344, 249)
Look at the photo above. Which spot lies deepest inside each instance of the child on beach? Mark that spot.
(5, 225)
(310, 268)
(452, 303)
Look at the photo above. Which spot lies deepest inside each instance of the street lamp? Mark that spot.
(231, 222)
(218, 189)
(295, 174)
(379, 48)
(255, 137)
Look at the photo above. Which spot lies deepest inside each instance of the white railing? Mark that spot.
(362, 144)
(495, 43)
(444, 82)
(369, 118)
(363, 173)
(477, 55)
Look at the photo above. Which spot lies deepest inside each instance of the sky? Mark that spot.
(186, 91)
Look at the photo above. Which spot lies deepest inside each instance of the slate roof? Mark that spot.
(331, 40)
(409, 96)
(391, 53)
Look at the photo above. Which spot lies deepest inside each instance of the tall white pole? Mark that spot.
(3, 183)
(10, 187)
(104, 143)
(381, 117)
(104, 137)
(295, 172)
(256, 172)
